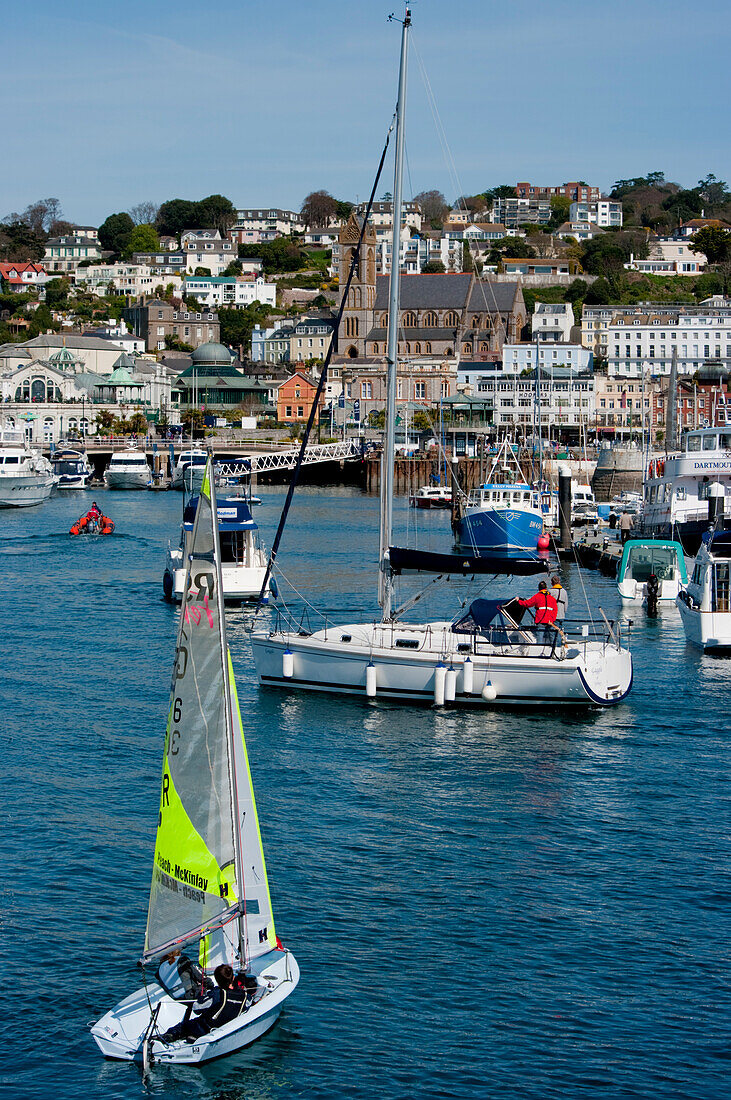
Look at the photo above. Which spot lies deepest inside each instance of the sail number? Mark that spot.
(175, 733)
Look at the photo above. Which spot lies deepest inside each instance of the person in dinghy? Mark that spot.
(232, 995)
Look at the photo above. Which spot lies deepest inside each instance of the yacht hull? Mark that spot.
(582, 674)
(707, 630)
(132, 479)
(25, 492)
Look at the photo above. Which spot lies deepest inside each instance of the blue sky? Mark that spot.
(106, 106)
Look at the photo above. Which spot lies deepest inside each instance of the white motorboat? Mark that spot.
(243, 561)
(678, 489)
(431, 496)
(209, 893)
(644, 558)
(487, 660)
(26, 477)
(188, 471)
(128, 470)
(583, 504)
(71, 468)
(705, 603)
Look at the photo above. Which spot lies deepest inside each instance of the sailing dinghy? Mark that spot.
(209, 898)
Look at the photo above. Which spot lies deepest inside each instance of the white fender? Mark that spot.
(371, 680)
(468, 676)
(489, 692)
(440, 675)
(450, 685)
(288, 664)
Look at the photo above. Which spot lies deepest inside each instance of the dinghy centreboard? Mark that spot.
(209, 898)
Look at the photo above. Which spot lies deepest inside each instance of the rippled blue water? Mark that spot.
(482, 904)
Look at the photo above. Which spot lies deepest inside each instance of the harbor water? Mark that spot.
(483, 904)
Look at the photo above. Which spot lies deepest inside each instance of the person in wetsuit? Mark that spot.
(228, 999)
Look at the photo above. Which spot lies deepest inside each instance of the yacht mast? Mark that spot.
(385, 582)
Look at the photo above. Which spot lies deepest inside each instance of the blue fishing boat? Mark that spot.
(504, 515)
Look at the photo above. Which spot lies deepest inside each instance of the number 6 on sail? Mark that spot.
(216, 974)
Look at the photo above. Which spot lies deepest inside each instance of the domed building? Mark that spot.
(211, 379)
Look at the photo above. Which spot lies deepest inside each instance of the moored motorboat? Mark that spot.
(189, 469)
(71, 468)
(210, 911)
(705, 602)
(645, 559)
(505, 514)
(128, 469)
(26, 477)
(431, 496)
(243, 561)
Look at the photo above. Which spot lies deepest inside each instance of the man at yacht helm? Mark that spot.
(546, 610)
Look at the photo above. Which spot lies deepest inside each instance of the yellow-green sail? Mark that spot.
(207, 805)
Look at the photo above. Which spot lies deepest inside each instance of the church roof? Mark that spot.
(449, 291)
(492, 297)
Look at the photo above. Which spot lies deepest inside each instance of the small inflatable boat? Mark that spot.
(92, 525)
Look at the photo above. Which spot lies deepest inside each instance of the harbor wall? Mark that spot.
(618, 469)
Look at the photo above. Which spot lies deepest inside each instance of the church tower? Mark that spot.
(358, 313)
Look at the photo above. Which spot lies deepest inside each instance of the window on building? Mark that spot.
(408, 319)
(287, 410)
(300, 410)
(419, 391)
(366, 390)
(430, 320)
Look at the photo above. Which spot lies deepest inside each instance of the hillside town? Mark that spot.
(551, 307)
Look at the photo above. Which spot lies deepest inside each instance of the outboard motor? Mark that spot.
(653, 593)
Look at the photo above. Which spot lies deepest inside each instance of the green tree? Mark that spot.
(233, 269)
(713, 242)
(343, 208)
(57, 293)
(281, 254)
(202, 271)
(175, 216)
(41, 321)
(714, 192)
(560, 210)
(104, 420)
(214, 212)
(683, 205)
(138, 423)
(436, 267)
(237, 325)
(114, 233)
(174, 343)
(19, 242)
(143, 238)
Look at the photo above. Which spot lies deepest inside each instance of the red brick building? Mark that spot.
(577, 192)
(295, 397)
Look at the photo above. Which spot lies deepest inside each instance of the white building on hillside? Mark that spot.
(552, 322)
(231, 291)
(669, 256)
(64, 254)
(605, 213)
(124, 278)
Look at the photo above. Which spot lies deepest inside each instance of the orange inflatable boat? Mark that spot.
(92, 525)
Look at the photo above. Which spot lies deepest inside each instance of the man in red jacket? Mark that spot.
(546, 610)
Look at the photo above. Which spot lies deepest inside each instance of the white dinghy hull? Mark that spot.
(121, 1033)
(373, 664)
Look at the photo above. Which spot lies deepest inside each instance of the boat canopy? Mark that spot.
(718, 542)
(484, 613)
(406, 560)
(233, 514)
(642, 557)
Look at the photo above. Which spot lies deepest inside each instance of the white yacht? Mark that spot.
(128, 470)
(705, 603)
(483, 658)
(678, 488)
(431, 496)
(71, 468)
(243, 561)
(26, 477)
(189, 470)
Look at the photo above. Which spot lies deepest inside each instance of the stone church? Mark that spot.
(447, 316)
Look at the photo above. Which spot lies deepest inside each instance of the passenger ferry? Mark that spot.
(677, 488)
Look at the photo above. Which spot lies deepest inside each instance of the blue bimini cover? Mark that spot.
(485, 613)
(233, 514)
